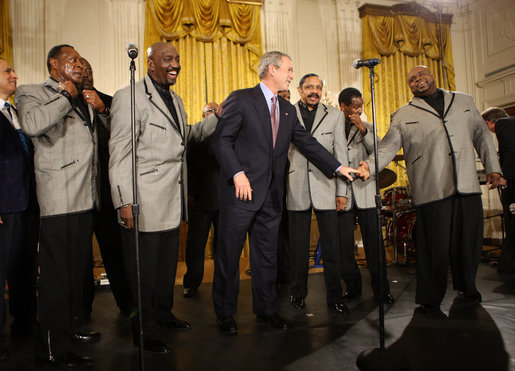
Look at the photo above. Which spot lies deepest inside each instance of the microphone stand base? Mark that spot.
(381, 360)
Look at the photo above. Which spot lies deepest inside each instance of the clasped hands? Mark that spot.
(243, 189)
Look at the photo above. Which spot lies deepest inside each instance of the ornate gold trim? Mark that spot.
(248, 2)
(411, 8)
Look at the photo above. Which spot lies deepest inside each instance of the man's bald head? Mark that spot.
(163, 63)
(421, 81)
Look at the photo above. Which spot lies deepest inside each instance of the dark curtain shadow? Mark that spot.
(468, 339)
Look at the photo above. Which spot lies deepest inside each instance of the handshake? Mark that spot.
(362, 171)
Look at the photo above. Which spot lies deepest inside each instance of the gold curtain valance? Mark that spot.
(408, 28)
(204, 20)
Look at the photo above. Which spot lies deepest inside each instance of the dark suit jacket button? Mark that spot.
(182, 143)
(180, 182)
(450, 153)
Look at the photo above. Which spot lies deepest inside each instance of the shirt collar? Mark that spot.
(162, 89)
(2, 102)
(304, 106)
(266, 92)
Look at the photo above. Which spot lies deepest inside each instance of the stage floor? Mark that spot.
(472, 337)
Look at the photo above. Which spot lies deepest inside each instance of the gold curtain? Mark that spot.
(6, 41)
(403, 36)
(219, 44)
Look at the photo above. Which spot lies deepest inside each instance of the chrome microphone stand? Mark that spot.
(378, 358)
(135, 207)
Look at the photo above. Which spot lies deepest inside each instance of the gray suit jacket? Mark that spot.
(161, 155)
(306, 185)
(65, 150)
(439, 154)
(359, 147)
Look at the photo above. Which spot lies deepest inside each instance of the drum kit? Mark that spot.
(399, 216)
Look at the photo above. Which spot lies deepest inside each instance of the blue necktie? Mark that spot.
(23, 138)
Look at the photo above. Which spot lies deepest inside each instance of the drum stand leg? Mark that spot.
(394, 222)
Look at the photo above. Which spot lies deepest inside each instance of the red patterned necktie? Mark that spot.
(274, 115)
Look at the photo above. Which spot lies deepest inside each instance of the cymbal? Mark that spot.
(398, 158)
(386, 178)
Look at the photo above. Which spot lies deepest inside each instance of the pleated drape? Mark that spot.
(403, 36)
(6, 44)
(219, 44)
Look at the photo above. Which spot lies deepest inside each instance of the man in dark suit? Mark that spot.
(19, 218)
(251, 144)
(105, 222)
(204, 174)
(503, 126)
(505, 131)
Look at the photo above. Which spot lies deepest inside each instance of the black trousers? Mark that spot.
(351, 274)
(300, 226)
(262, 226)
(283, 252)
(448, 231)
(507, 258)
(158, 265)
(107, 232)
(64, 250)
(198, 233)
(18, 244)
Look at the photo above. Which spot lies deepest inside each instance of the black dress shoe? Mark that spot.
(431, 310)
(4, 353)
(388, 299)
(176, 323)
(273, 320)
(297, 303)
(67, 360)
(85, 337)
(339, 307)
(156, 346)
(348, 296)
(227, 325)
(189, 292)
(473, 297)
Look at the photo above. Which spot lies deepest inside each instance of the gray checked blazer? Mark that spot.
(65, 149)
(359, 147)
(306, 185)
(439, 153)
(161, 155)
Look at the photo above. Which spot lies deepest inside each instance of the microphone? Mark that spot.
(370, 63)
(132, 50)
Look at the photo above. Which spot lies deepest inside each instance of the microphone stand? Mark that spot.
(135, 211)
(379, 358)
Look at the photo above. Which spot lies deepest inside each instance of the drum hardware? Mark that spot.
(397, 201)
(402, 229)
(398, 158)
(386, 178)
